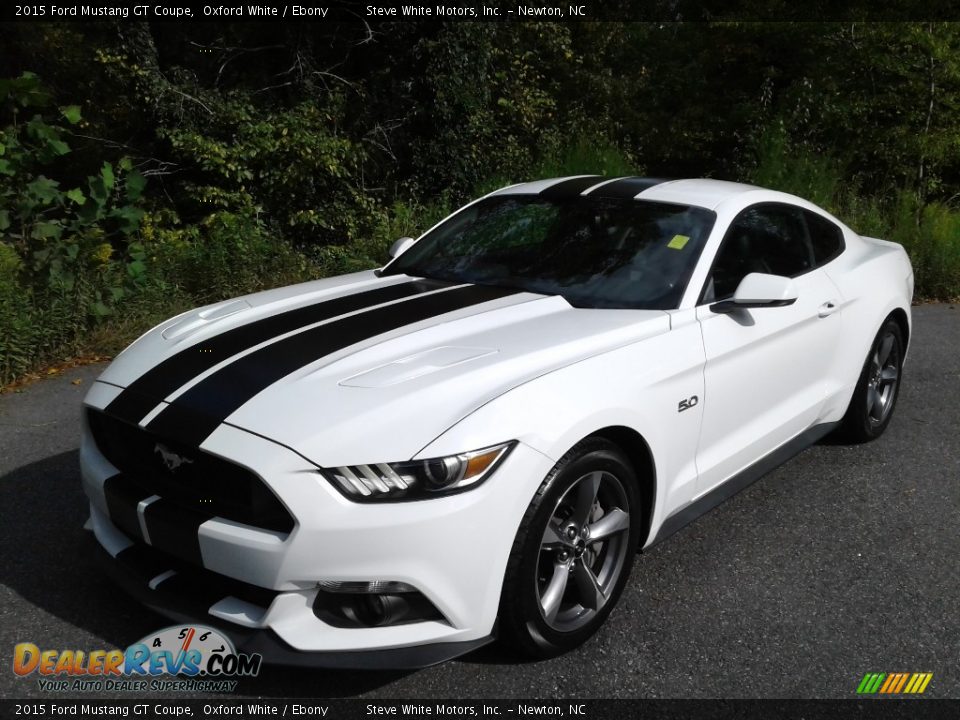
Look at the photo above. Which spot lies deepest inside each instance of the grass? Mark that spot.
(929, 231)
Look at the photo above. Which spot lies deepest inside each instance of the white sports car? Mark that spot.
(393, 467)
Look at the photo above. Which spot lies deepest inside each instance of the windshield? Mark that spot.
(595, 252)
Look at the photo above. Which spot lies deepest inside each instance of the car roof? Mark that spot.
(702, 192)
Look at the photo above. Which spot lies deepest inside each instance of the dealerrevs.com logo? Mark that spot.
(203, 655)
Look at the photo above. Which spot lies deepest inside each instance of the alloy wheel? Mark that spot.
(883, 378)
(583, 551)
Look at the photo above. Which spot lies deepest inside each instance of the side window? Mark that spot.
(765, 239)
(825, 237)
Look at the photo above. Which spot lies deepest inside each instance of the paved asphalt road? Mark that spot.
(844, 561)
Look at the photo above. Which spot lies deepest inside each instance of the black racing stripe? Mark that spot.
(213, 586)
(194, 415)
(123, 496)
(143, 562)
(174, 529)
(625, 187)
(566, 189)
(195, 589)
(144, 393)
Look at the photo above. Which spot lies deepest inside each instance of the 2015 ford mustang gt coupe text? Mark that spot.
(393, 467)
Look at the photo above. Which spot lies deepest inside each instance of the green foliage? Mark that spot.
(291, 167)
(930, 232)
(275, 155)
(17, 329)
(59, 234)
(68, 255)
(487, 102)
(582, 157)
(223, 255)
(795, 168)
(888, 98)
(402, 219)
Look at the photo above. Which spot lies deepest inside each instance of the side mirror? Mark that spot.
(400, 246)
(759, 290)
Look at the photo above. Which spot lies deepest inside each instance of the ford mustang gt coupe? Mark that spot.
(392, 468)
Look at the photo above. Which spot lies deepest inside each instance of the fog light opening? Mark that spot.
(355, 609)
(382, 610)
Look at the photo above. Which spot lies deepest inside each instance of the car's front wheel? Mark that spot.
(877, 388)
(573, 551)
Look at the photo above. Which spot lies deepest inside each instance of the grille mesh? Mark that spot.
(191, 478)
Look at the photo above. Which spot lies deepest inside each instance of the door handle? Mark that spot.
(828, 308)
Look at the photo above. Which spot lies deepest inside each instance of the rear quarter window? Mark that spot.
(825, 237)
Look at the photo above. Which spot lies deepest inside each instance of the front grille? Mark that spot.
(188, 478)
(167, 584)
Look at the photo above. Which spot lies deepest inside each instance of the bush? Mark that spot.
(223, 255)
(585, 157)
(402, 219)
(17, 329)
(931, 235)
(68, 255)
(797, 169)
(273, 193)
(930, 232)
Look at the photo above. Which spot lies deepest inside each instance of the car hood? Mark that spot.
(384, 398)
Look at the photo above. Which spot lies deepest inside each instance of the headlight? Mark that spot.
(417, 479)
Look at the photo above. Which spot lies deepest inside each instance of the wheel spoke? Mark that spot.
(587, 490)
(591, 595)
(583, 549)
(615, 521)
(883, 352)
(873, 399)
(889, 374)
(553, 539)
(551, 597)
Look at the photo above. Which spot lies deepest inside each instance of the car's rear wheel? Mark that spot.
(875, 396)
(573, 551)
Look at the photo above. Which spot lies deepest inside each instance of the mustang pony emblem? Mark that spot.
(171, 459)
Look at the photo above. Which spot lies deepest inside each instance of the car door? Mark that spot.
(764, 377)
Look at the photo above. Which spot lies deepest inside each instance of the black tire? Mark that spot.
(875, 396)
(537, 560)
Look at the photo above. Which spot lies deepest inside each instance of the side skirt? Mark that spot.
(746, 477)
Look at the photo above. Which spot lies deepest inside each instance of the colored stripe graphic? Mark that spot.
(894, 683)
(891, 680)
(195, 414)
(143, 394)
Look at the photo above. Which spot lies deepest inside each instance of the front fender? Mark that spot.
(638, 387)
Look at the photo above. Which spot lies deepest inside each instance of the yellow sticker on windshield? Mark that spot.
(679, 242)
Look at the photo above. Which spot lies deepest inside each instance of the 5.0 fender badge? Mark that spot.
(688, 403)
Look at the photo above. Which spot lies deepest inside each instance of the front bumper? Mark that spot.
(453, 550)
(189, 600)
